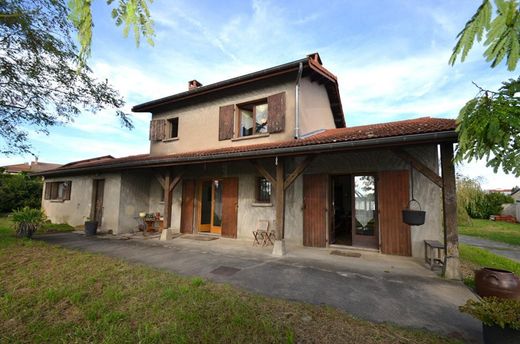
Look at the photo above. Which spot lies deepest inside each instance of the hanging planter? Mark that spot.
(410, 216)
(414, 217)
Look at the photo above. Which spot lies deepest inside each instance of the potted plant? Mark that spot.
(27, 220)
(500, 318)
(90, 226)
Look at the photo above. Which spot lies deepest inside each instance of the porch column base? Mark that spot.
(279, 249)
(452, 268)
(166, 234)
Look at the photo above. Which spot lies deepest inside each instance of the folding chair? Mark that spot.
(269, 236)
(261, 231)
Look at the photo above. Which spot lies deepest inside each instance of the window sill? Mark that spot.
(171, 139)
(250, 137)
(57, 200)
(262, 204)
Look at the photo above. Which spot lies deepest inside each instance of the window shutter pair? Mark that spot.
(157, 130)
(275, 117)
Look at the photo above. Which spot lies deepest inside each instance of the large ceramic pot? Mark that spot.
(91, 227)
(499, 335)
(496, 282)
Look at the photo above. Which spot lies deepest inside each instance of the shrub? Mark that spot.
(18, 191)
(494, 311)
(27, 220)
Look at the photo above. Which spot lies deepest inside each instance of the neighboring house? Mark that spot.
(271, 145)
(513, 209)
(506, 192)
(32, 167)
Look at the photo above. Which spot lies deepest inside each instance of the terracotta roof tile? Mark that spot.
(359, 133)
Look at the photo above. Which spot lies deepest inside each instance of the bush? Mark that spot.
(494, 311)
(18, 191)
(27, 220)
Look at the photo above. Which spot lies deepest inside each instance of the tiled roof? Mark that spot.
(32, 167)
(404, 128)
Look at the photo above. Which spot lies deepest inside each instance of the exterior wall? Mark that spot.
(135, 198)
(199, 121)
(315, 112)
(75, 210)
(155, 204)
(426, 192)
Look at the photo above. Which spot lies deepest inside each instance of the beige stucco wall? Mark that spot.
(315, 112)
(75, 210)
(135, 191)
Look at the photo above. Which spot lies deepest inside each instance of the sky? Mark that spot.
(391, 59)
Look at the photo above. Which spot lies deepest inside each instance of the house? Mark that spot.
(513, 209)
(273, 145)
(32, 167)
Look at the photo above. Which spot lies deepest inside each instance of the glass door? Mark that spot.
(210, 212)
(365, 233)
(216, 221)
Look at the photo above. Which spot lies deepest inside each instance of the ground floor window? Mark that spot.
(58, 190)
(263, 190)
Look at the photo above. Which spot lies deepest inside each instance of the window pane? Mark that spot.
(261, 119)
(365, 205)
(217, 208)
(174, 127)
(205, 216)
(246, 122)
(263, 190)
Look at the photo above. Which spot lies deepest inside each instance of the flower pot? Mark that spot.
(91, 227)
(496, 282)
(414, 217)
(499, 335)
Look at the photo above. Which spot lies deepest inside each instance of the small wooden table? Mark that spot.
(154, 225)
(434, 253)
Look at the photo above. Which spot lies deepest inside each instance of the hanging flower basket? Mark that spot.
(414, 217)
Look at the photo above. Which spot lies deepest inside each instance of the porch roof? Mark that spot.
(413, 131)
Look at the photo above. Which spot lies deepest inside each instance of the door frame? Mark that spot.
(355, 237)
(211, 229)
(94, 211)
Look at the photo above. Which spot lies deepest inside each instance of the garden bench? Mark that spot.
(434, 253)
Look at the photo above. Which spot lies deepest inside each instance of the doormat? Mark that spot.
(346, 253)
(225, 271)
(199, 237)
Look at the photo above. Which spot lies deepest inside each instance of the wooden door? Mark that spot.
(393, 198)
(315, 210)
(187, 207)
(98, 191)
(229, 207)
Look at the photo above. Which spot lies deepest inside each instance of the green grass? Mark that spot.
(476, 258)
(493, 230)
(55, 228)
(51, 294)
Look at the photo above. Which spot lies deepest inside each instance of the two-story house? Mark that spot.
(271, 145)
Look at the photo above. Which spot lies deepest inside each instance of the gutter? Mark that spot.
(443, 136)
(297, 101)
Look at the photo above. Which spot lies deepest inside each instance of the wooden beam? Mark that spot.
(263, 172)
(419, 166)
(449, 203)
(297, 171)
(175, 181)
(167, 200)
(280, 199)
(160, 179)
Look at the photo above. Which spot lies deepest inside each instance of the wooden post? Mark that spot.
(449, 202)
(279, 244)
(167, 200)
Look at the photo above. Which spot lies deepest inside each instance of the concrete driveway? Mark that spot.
(375, 287)
(500, 248)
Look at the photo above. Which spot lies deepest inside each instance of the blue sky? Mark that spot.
(390, 58)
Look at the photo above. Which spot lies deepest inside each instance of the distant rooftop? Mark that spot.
(32, 167)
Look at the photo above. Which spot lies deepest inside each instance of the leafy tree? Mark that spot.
(489, 124)
(18, 191)
(44, 78)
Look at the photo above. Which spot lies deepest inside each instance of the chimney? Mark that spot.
(193, 84)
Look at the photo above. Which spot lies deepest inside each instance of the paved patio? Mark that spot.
(375, 287)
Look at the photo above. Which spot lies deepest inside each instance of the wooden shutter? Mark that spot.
(276, 113)
(157, 130)
(226, 122)
(67, 190)
(47, 194)
(229, 207)
(393, 197)
(315, 210)
(187, 207)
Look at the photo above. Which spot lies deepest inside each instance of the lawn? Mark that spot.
(474, 258)
(51, 294)
(493, 230)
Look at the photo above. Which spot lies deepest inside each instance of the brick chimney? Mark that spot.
(193, 84)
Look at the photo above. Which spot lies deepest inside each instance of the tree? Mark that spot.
(489, 124)
(44, 78)
(18, 191)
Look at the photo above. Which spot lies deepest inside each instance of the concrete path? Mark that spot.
(500, 248)
(374, 287)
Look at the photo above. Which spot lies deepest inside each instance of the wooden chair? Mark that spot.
(260, 233)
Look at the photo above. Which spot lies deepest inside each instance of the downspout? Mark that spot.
(297, 101)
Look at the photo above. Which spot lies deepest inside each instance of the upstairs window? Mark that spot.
(263, 190)
(253, 118)
(58, 190)
(173, 128)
